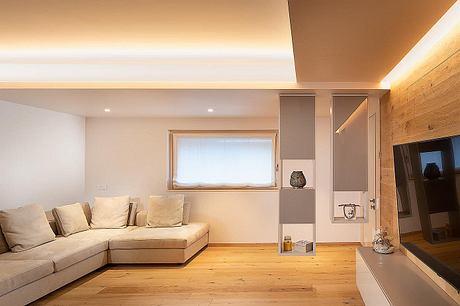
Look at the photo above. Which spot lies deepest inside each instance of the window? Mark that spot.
(431, 157)
(456, 147)
(222, 159)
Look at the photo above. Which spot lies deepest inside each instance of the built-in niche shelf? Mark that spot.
(343, 220)
(350, 157)
(307, 166)
(297, 189)
(297, 253)
(297, 207)
(344, 197)
(299, 232)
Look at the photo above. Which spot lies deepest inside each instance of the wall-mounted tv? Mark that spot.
(428, 191)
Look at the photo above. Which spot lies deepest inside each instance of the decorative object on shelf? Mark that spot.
(304, 245)
(431, 171)
(382, 242)
(439, 234)
(287, 244)
(297, 180)
(349, 210)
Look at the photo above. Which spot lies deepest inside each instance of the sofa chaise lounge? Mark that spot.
(29, 275)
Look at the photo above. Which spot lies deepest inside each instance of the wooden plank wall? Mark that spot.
(422, 105)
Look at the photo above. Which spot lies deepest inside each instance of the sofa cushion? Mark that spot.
(52, 222)
(133, 208)
(18, 273)
(49, 214)
(3, 244)
(87, 210)
(64, 252)
(102, 234)
(141, 216)
(70, 219)
(165, 211)
(160, 238)
(187, 210)
(25, 227)
(110, 212)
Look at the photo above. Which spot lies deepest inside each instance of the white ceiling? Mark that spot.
(173, 41)
(357, 40)
(166, 44)
(149, 102)
(209, 44)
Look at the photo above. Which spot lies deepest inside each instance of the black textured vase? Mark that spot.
(298, 180)
(431, 171)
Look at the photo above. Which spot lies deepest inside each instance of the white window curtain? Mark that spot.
(224, 160)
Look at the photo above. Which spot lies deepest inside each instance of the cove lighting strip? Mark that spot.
(359, 110)
(444, 25)
(160, 66)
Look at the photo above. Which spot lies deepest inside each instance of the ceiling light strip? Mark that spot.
(359, 110)
(444, 25)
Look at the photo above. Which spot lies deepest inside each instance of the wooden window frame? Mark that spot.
(172, 157)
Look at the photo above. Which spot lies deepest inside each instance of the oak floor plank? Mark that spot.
(223, 275)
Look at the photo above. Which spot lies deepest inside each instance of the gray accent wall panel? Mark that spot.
(350, 149)
(298, 206)
(297, 127)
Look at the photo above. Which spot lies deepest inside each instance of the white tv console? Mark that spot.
(395, 280)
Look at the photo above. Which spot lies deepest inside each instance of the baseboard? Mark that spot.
(339, 243)
(274, 244)
(241, 244)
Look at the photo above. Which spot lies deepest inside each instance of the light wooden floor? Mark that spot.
(223, 276)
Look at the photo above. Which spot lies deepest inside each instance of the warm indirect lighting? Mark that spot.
(107, 110)
(210, 110)
(164, 66)
(385, 84)
(444, 25)
(57, 55)
(361, 108)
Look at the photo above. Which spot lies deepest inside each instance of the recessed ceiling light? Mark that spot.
(210, 110)
(107, 110)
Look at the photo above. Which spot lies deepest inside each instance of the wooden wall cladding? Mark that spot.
(423, 105)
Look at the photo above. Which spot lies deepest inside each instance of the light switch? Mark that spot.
(101, 187)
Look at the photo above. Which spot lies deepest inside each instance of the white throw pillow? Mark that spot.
(110, 212)
(70, 219)
(165, 211)
(25, 227)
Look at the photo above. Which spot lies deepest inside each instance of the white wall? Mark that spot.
(41, 157)
(130, 156)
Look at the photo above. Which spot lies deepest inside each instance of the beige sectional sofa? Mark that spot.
(28, 275)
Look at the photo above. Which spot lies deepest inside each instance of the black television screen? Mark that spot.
(428, 190)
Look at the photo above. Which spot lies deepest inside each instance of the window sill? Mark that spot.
(262, 189)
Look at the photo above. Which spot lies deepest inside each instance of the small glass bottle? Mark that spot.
(287, 244)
